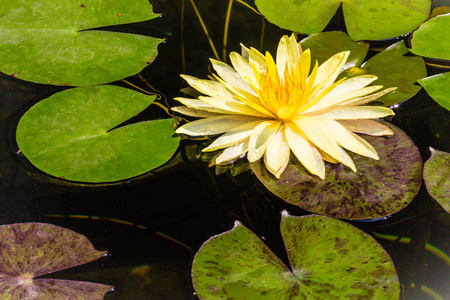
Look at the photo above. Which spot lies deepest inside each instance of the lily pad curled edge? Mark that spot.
(52, 42)
(329, 259)
(436, 174)
(378, 189)
(30, 250)
(74, 135)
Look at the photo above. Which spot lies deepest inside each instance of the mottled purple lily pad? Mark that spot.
(378, 189)
(30, 250)
(436, 172)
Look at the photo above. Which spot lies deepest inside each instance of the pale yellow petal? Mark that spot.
(232, 137)
(260, 138)
(194, 112)
(366, 99)
(286, 55)
(347, 139)
(231, 106)
(231, 153)
(228, 74)
(276, 156)
(306, 153)
(366, 127)
(257, 59)
(355, 112)
(330, 69)
(208, 87)
(244, 68)
(214, 125)
(200, 105)
(351, 84)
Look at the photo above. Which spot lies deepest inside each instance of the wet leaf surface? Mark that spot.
(329, 259)
(432, 39)
(436, 174)
(378, 189)
(51, 42)
(67, 135)
(30, 250)
(365, 20)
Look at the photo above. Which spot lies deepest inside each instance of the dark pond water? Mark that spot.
(174, 212)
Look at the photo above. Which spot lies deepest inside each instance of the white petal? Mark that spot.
(194, 112)
(366, 127)
(244, 68)
(200, 105)
(367, 99)
(232, 153)
(208, 87)
(228, 74)
(306, 153)
(232, 137)
(355, 112)
(258, 59)
(214, 125)
(260, 138)
(276, 156)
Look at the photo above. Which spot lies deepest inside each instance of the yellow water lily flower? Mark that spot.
(272, 109)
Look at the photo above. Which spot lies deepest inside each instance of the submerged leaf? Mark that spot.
(30, 250)
(73, 134)
(378, 189)
(365, 20)
(329, 259)
(436, 174)
(51, 42)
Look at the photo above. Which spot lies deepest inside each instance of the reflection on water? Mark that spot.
(188, 205)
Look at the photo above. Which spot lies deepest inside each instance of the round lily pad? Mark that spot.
(51, 42)
(394, 69)
(74, 135)
(432, 39)
(29, 250)
(438, 87)
(436, 172)
(378, 189)
(364, 19)
(325, 44)
(329, 259)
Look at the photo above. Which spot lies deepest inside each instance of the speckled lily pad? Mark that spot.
(436, 174)
(30, 250)
(379, 187)
(329, 259)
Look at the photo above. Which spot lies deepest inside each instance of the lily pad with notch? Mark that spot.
(58, 42)
(438, 87)
(378, 189)
(31, 250)
(364, 19)
(329, 259)
(436, 172)
(74, 135)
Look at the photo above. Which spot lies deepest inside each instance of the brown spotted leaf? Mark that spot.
(436, 173)
(379, 187)
(30, 250)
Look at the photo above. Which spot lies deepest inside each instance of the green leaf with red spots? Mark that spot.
(30, 250)
(378, 189)
(329, 259)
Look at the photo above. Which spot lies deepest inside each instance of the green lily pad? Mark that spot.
(436, 172)
(73, 135)
(364, 19)
(30, 250)
(393, 68)
(378, 189)
(51, 42)
(432, 39)
(438, 87)
(325, 44)
(329, 259)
